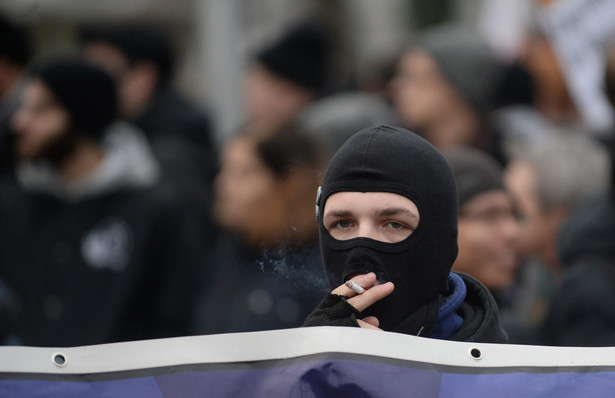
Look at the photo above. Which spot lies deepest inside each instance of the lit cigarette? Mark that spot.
(354, 287)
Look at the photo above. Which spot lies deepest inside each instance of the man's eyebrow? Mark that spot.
(338, 213)
(393, 211)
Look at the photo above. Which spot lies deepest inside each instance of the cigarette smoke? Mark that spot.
(302, 270)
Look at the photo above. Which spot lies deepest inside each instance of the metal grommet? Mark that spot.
(475, 353)
(59, 359)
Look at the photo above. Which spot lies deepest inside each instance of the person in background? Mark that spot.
(286, 76)
(582, 311)
(488, 228)
(337, 117)
(489, 232)
(547, 178)
(94, 246)
(446, 85)
(140, 59)
(14, 56)
(267, 269)
(387, 215)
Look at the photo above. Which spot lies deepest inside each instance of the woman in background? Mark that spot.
(266, 272)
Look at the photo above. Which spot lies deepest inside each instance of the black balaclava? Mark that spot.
(392, 159)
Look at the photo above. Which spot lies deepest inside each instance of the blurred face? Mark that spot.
(488, 237)
(134, 84)
(41, 124)
(271, 99)
(539, 226)
(245, 189)
(421, 94)
(382, 216)
(109, 58)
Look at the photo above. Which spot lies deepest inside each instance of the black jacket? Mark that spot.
(8, 106)
(181, 139)
(110, 260)
(582, 312)
(250, 289)
(481, 320)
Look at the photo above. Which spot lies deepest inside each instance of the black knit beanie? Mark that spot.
(87, 92)
(300, 56)
(466, 62)
(391, 159)
(475, 172)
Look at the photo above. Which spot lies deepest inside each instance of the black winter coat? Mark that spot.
(251, 290)
(582, 312)
(481, 319)
(181, 139)
(107, 269)
(115, 264)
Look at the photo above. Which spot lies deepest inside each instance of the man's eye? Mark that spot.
(395, 225)
(343, 224)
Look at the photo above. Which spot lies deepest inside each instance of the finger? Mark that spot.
(372, 320)
(378, 292)
(366, 325)
(366, 281)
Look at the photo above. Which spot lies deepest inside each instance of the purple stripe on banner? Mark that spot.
(321, 378)
(129, 388)
(336, 378)
(311, 379)
(560, 385)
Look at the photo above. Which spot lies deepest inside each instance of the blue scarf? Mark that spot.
(449, 321)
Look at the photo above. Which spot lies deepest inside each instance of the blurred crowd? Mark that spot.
(122, 217)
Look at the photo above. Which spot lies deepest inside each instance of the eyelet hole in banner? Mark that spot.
(59, 359)
(475, 353)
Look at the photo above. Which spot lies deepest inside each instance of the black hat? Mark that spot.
(137, 42)
(299, 56)
(87, 92)
(475, 172)
(14, 43)
(466, 62)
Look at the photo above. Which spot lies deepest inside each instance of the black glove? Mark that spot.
(334, 310)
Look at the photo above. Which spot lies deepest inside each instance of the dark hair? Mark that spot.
(14, 43)
(287, 149)
(138, 43)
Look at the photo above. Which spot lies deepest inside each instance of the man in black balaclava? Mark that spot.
(387, 212)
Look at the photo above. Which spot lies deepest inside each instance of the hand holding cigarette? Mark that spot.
(367, 292)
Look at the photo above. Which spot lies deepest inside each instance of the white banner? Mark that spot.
(323, 361)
